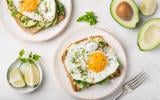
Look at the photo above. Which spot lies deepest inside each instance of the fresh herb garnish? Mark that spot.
(89, 17)
(60, 8)
(21, 53)
(82, 84)
(32, 58)
(14, 13)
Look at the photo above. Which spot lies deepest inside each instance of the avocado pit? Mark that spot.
(124, 11)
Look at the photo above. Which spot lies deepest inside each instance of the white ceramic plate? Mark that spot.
(96, 91)
(10, 24)
(16, 63)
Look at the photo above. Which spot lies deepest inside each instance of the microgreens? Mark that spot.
(89, 17)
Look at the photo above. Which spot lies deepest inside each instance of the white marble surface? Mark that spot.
(50, 90)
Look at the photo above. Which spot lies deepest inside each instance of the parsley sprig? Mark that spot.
(31, 58)
(89, 17)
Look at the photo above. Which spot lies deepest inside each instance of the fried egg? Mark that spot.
(41, 10)
(88, 61)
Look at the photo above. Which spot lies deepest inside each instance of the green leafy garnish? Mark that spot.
(32, 58)
(60, 8)
(14, 13)
(82, 84)
(21, 53)
(36, 57)
(89, 17)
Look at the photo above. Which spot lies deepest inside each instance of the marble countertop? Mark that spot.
(138, 60)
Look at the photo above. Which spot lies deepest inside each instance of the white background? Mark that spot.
(50, 90)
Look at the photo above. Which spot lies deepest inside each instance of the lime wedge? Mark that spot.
(31, 75)
(148, 7)
(16, 78)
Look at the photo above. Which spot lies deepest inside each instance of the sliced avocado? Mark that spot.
(41, 24)
(125, 12)
(149, 35)
(48, 24)
(12, 8)
(31, 23)
(26, 22)
(9, 1)
(52, 23)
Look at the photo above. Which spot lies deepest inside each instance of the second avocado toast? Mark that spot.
(32, 25)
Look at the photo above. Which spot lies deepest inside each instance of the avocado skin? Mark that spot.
(141, 49)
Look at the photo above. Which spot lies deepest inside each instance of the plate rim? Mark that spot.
(39, 40)
(125, 69)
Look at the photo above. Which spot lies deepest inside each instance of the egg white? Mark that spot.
(83, 50)
(46, 10)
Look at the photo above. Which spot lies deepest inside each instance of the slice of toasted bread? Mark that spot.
(74, 84)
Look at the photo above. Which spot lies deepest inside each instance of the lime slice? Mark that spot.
(148, 7)
(16, 78)
(31, 75)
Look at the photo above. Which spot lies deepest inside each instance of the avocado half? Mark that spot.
(149, 35)
(125, 12)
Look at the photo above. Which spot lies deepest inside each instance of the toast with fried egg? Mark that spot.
(79, 83)
(35, 15)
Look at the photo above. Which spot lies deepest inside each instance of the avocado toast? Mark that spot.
(31, 25)
(79, 85)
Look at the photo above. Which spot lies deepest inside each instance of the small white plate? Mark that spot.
(96, 91)
(10, 24)
(25, 89)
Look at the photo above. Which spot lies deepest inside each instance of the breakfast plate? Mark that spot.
(96, 91)
(23, 89)
(45, 34)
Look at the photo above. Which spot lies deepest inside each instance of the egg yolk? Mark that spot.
(97, 61)
(29, 5)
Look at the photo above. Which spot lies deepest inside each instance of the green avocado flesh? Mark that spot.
(27, 22)
(149, 35)
(125, 12)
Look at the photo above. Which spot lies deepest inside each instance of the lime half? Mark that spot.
(16, 78)
(148, 7)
